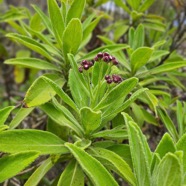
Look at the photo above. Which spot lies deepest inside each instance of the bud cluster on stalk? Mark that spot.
(102, 57)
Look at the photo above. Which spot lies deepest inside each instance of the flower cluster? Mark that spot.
(101, 56)
(106, 57)
(114, 78)
(85, 65)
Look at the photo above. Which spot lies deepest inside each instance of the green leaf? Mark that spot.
(72, 175)
(19, 140)
(169, 66)
(40, 91)
(133, 97)
(139, 58)
(168, 172)
(72, 36)
(76, 10)
(87, 31)
(114, 134)
(181, 145)
(168, 124)
(165, 145)
(4, 113)
(61, 93)
(30, 43)
(56, 20)
(97, 173)
(39, 173)
(112, 48)
(58, 116)
(146, 4)
(90, 119)
(157, 54)
(117, 163)
(118, 92)
(20, 116)
(121, 4)
(13, 164)
(140, 153)
(32, 63)
(45, 19)
(134, 4)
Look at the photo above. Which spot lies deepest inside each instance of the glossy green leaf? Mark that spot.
(19, 140)
(92, 167)
(4, 113)
(157, 54)
(61, 93)
(168, 123)
(58, 116)
(30, 43)
(140, 57)
(118, 92)
(32, 63)
(76, 10)
(90, 119)
(40, 91)
(168, 172)
(39, 173)
(72, 36)
(72, 175)
(56, 20)
(140, 153)
(13, 164)
(20, 116)
(165, 145)
(118, 164)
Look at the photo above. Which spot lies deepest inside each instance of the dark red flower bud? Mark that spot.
(96, 58)
(106, 54)
(100, 55)
(107, 77)
(115, 62)
(109, 81)
(86, 66)
(116, 78)
(84, 62)
(90, 63)
(110, 58)
(80, 69)
(106, 59)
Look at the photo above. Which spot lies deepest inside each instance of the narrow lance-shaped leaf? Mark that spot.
(72, 37)
(61, 93)
(32, 63)
(118, 163)
(20, 116)
(76, 10)
(4, 113)
(56, 20)
(97, 173)
(31, 43)
(120, 91)
(13, 164)
(39, 173)
(14, 141)
(72, 175)
(140, 153)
